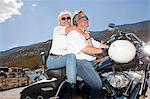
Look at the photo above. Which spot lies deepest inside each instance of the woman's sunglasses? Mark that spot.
(65, 18)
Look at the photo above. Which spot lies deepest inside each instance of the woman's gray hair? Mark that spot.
(62, 13)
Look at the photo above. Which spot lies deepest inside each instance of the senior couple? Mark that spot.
(73, 48)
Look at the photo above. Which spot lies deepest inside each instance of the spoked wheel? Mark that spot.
(33, 97)
(24, 96)
(135, 92)
(27, 97)
(145, 82)
(144, 85)
(40, 97)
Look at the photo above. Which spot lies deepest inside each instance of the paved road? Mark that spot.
(11, 94)
(15, 93)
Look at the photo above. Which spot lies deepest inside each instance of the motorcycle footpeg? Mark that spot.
(54, 97)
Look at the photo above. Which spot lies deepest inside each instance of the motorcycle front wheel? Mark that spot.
(135, 92)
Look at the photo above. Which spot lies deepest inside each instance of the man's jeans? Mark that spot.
(68, 61)
(85, 69)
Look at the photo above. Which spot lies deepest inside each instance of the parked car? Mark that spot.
(5, 71)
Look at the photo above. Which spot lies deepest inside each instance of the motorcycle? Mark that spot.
(130, 70)
(123, 76)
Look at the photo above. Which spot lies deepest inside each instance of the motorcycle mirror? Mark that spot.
(111, 25)
(146, 49)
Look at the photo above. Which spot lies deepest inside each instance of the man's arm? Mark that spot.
(85, 34)
(70, 28)
(79, 45)
(104, 46)
(91, 50)
(99, 45)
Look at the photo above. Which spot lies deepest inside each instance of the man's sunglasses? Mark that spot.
(65, 18)
(84, 17)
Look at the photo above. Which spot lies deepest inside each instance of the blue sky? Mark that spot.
(39, 17)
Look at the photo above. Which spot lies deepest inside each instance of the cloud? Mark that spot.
(9, 8)
(34, 5)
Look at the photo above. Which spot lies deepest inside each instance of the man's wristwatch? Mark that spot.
(88, 38)
(104, 50)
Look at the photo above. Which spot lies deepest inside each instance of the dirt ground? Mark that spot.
(15, 93)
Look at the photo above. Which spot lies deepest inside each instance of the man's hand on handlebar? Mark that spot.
(104, 46)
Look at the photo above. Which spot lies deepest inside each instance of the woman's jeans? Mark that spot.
(68, 61)
(85, 69)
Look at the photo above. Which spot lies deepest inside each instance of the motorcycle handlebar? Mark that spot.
(118, 34)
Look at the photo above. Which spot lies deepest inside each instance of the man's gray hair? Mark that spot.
(76, 17)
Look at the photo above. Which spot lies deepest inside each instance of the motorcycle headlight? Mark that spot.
(122, 51)
(146, 49)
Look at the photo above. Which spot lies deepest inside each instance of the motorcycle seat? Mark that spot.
(54, 73)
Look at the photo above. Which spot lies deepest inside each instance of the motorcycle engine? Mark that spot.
(122, 79)
(117, 80)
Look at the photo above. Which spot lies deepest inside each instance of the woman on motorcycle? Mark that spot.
(58, 56)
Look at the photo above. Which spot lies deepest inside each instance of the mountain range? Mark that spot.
(29, 56)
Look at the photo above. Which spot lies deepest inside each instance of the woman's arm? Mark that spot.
(70, 28)
(88, 38)
(85, 34)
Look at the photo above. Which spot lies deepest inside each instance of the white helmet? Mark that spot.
(122, 51)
